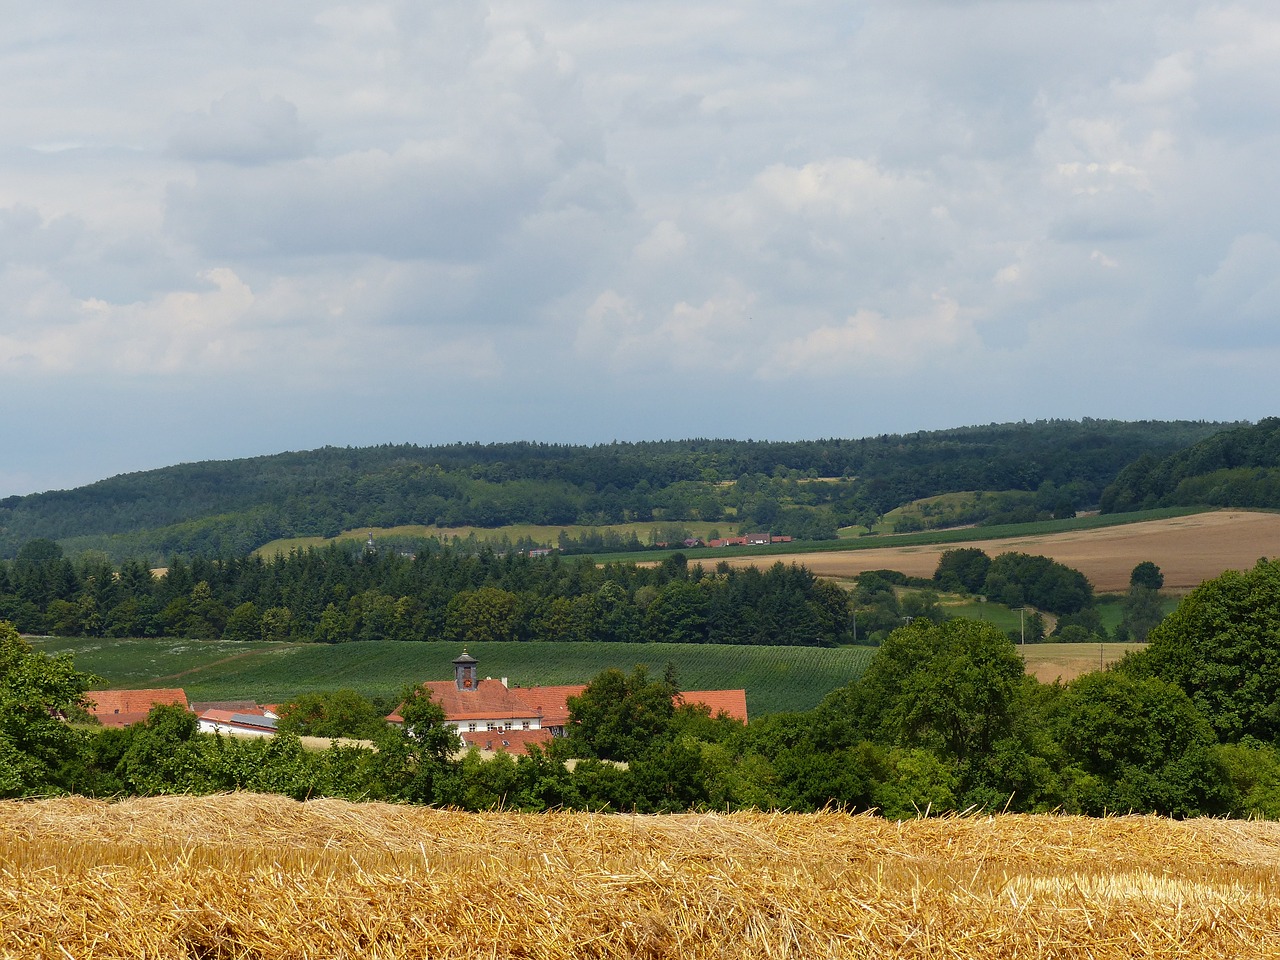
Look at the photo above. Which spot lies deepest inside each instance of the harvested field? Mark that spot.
(260, 878)
(1048, 662)
(1189, 550)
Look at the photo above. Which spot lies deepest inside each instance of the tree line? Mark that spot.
(944, 719)
(340, 594)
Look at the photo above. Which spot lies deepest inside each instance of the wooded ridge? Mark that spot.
(231, 507)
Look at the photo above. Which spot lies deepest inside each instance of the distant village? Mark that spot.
(487, 714)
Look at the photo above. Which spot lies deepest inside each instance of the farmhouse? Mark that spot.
(493, 715)
(239, 721)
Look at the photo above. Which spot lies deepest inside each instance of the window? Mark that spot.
(471, 728)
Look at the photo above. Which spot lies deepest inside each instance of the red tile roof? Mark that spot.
(732, 702)
(509, 741)
(119, 708)
(490, 700)
(551, 703)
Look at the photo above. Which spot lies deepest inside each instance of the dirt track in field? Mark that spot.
(1188, 550)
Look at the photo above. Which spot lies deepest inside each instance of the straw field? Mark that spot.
(244, 876)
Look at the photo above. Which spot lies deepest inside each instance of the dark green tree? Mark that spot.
(678, 614)
(1146, 574)
(339, 713)
(415, 761)
(1143, 610)
(1222, 647)
(951, 687)
(620, 716)
(1138, 744)
(963, 569)
(36, 692)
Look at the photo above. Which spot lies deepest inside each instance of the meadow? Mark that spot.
(257, 877)
(776, 678)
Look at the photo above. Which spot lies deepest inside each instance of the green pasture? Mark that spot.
(776, 679)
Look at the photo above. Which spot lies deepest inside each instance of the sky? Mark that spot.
(241, 228)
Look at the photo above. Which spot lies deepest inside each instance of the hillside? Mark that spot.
(232, 507)
(1234, 468)
(267, 878)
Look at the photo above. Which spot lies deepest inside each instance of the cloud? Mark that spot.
(870, 341)
(737, 204)
(433, 200)
(242, 128)
(27, 237)
(1240, 300)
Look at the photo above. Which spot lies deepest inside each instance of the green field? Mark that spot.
(776, 678)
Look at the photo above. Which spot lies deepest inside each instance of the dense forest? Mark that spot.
(1234, 468)
(229, 508)
(944, 719)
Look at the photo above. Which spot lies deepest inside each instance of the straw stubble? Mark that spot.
(249, 877)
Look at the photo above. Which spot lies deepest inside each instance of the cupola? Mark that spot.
(464, 671)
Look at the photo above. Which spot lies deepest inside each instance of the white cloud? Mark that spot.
(870, 341)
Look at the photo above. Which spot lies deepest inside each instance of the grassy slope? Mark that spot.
(775, 678)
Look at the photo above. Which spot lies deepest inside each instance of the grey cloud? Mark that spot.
(26, 237)
(1240, 300)
(243, 128)
(448, 207)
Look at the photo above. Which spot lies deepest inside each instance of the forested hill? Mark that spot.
(1233, 468)
(231, 507)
